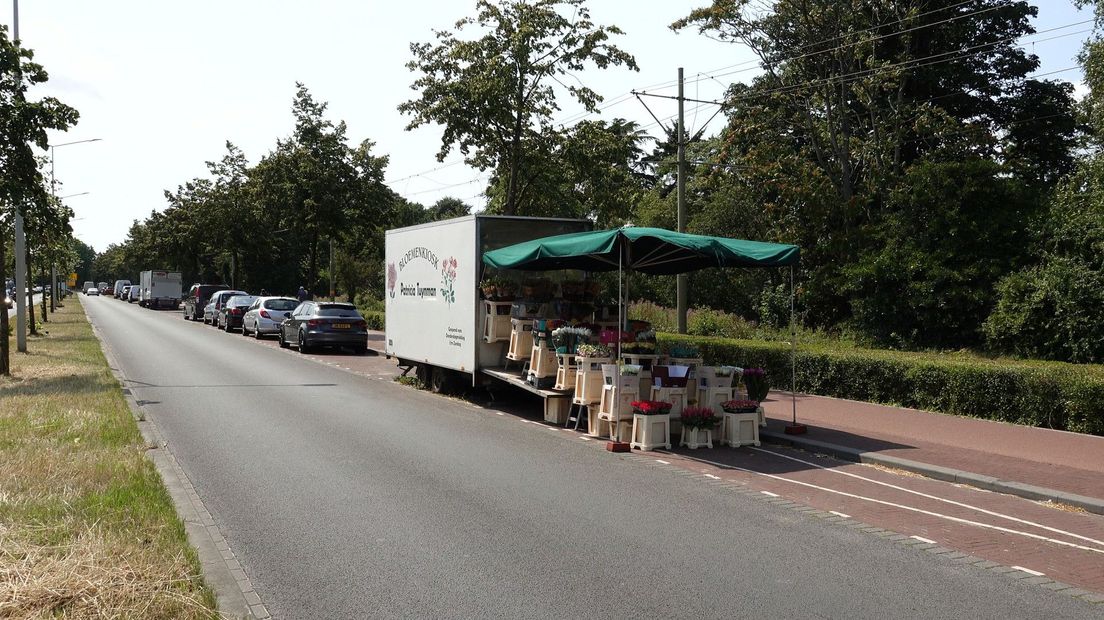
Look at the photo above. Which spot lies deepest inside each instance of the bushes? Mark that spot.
(1049, 395)
(375, 319)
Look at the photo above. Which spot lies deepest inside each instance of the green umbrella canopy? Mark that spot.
(648, 250)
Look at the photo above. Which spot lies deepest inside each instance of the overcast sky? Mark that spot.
(165, 84)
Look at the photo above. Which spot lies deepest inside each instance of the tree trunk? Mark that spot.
(30, 295)
(312, 265)
(44, 318)
(515, 147)
(5, 342)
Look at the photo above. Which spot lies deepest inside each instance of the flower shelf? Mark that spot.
(521, 339)
(740, 429)
(651, 431)
(496, 321)
(695, 438)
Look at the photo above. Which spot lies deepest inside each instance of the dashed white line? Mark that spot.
(936, 497)
(712, 476)
(662, 461)
(769, 493)
(586, 438)
(840, 514)
(923, 540)
(1029, 571)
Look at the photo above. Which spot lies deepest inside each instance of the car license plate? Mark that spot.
(341, 326)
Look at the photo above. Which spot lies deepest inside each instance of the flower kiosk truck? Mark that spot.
(435, 319)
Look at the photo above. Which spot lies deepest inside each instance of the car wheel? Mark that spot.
(243, 332)
(303, 346)
(227, 327)
(280, 336)
(257, 332)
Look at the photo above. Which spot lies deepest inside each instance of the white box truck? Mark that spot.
(434, 318)
(160, 289)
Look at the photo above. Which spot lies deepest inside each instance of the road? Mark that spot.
(38, 309)
(345, 496)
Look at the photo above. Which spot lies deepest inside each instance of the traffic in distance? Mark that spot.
(306, 325)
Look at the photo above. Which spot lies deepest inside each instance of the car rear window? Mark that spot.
(329, 310)
(241, 300)
(281, 304)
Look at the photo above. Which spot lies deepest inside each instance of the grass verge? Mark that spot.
(87, 528)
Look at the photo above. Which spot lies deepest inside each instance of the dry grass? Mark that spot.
(87, 529)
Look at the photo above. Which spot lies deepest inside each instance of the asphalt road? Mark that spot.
(38, 307)
(349, 497)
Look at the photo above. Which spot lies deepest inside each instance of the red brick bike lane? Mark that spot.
(1063, 546)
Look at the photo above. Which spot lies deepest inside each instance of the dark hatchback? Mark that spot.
(233, 311)
(324, 324)
(197, 297)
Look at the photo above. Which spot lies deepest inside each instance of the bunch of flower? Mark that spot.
(740, 406)
(757, 384)
(593, 350)
(608, 337)
(698, 417)
(630, 370)
(647, 335)
(724, 371)
(651, 407)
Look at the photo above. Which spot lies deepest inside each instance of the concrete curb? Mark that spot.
(221, 571)
(946, 474)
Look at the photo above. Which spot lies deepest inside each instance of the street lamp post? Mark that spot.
(53, 192)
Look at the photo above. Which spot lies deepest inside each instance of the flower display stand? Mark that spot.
(496, 320)
(645, 361)
(762, 416)
(674, 395)
(615, 408)
(695, 438)
(542, 365)
(650, 432)
(588, 379)
(694, 363)
(521, 340)
(740, 429)
(565, 371)
(714, 390)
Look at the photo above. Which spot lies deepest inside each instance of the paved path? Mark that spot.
(1068, 462)
(345, 495)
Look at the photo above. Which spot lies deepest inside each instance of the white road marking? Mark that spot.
(1029, 571)
(769, 493)
(908, 508)
(923, 540)
(840, 514)
(937, 498)
(712, 476)
(662, 461)
(585, 438)
(499, 413)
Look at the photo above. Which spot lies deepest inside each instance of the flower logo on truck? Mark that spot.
(448, 279)
(392, 279)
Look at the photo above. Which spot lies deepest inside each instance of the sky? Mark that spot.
(164, 85)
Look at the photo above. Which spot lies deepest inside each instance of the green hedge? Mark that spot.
(1050, 395)
(375, 319)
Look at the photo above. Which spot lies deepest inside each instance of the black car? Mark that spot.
(320, 323)
(232, 312)
(197, 297)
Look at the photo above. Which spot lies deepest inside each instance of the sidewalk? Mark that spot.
(1030, 462)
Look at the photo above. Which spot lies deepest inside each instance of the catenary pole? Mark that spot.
(682, 280)
(20, 241)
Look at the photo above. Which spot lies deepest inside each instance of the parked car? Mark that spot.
(9, 300)
(125, 294)
(265, 315)
(197, 298)
(215, 303)
(319, 323)
(133, 293)
(231, 314)
(119, 286)
(87, 285)
(93, 291)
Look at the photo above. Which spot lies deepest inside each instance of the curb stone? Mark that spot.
(946, 474)
(234, 594)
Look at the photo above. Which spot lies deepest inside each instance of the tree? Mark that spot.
(23, 124)
(496, 94)
(448, 208)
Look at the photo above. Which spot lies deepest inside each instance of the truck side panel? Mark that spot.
(430, 296)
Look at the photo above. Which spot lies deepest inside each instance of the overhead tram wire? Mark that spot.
(714, 73)
(913, 63)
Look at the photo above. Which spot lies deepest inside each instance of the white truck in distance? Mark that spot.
(434, 318)
(159, 289)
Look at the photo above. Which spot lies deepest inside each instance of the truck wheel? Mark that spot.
(442, 381)
(423, 372)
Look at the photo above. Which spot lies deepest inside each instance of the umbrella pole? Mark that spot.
(793, 428)
(620, 305)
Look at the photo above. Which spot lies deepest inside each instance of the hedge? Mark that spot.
(374, 319)
(1049, 395)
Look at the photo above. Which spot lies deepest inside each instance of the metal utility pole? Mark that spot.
(20, 240)
(332, 297)
(682, 281)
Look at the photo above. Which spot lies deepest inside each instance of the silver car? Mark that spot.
(135, 294)
(263, 318)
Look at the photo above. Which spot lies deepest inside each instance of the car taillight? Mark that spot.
(264, 313)
(361, 323)
(313, 323)
(235, 311)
